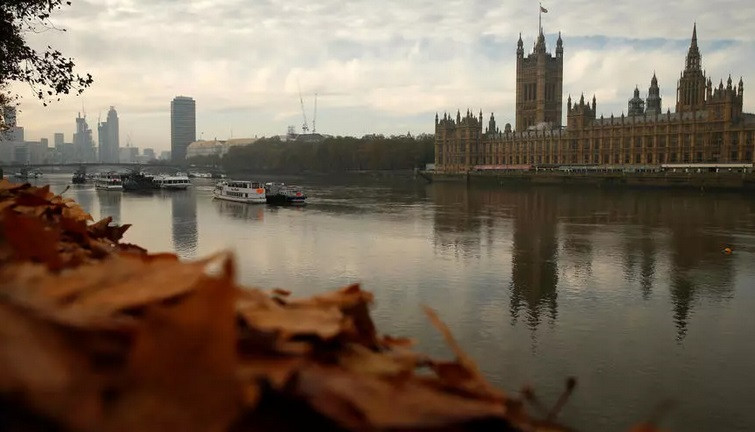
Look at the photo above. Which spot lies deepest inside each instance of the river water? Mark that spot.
(626, 290)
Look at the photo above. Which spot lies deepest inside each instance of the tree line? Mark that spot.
(335, 154)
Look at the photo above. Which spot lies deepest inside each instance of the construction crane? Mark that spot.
(314, 119)
(304, 127)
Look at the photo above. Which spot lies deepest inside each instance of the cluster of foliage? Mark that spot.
(339, 154)
(99, 335)
(48, 72)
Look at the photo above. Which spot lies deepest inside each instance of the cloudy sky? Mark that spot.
(379, 66)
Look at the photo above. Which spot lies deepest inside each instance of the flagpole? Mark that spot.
(540, 19)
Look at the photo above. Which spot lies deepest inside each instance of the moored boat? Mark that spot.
(282, 194)
(177, 181)
(250, 192)
(139, 182)
(108, 181)
(80, 176)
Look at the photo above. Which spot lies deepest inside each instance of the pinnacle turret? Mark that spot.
(693, 55)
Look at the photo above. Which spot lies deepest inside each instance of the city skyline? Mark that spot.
(375, 71)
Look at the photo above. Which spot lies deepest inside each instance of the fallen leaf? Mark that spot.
(361, 402)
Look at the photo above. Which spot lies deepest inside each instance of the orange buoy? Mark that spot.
(727, 251)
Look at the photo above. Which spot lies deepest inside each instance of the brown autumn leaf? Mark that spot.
(44, 371)
(103, 229)
(325, 323)
(181, 374)
(467, 375)
(365, 402)
(7, 186)
(387, 364)
(75, 212)
(275, 371)
(94, 293)
(31, 239)
(388, 341)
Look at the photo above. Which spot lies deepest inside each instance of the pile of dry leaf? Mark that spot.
(98, 335)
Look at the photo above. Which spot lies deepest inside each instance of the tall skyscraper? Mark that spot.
(108, 137)
(82, 141)
(183, 126)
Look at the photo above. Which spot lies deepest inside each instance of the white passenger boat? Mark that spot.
(178, 181)
(242, 191)
(108, 181)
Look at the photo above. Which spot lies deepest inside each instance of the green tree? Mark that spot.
(49, 73)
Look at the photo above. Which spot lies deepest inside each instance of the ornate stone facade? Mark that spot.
(708, 125)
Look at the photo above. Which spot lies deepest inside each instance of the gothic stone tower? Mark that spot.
(692, 86)
(539, 82)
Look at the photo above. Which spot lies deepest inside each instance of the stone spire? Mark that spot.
(636, 104)
(653, 101)
(693, 54)
(559, 46)
(520, 47)
(691, 90)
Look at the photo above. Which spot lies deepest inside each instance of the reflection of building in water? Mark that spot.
(457, 219)
(557, 224)
(84, 196)
(534, 271)
(184, 217)
(240, 210)
(698, 268)
(110, 204)
(640, 251)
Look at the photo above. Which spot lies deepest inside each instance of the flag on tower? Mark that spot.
(543, 10)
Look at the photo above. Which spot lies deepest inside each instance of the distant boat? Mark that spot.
(80, 176)
(248, 192)
(108, 181)
(139, 182)
(176, 182)
(282, 194)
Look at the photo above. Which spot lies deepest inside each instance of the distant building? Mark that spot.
(37, 151)
(149, 154)
(165, 155)
(82, 141)
(183, 126)
(63, 152)
(215, 147)
(108, 136)
(128, 154)
(708, 125)
(14, 148)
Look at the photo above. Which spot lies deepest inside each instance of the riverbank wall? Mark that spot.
(707, 180)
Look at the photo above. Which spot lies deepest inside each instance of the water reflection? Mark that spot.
(534, 268)
(110, 204)
(184, 217)
(84, 196)
(698, 268)
(240, 210)
(557, 232)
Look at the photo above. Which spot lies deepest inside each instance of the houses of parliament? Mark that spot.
(707, 125)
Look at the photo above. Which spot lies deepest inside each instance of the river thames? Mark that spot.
(626, 290)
